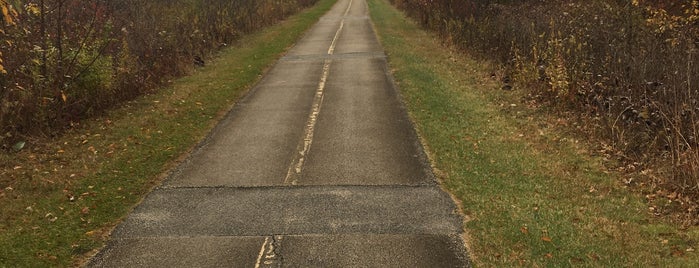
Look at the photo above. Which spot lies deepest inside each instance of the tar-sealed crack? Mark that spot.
(304, 146)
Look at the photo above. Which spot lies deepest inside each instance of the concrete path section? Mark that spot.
(318, 166)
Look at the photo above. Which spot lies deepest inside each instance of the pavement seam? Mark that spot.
(338, 56)
(430, 184)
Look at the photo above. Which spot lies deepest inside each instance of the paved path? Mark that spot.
(318, 166)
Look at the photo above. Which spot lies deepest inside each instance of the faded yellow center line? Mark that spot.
(296, 165)
(262, 252)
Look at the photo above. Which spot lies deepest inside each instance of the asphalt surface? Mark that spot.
(318, 166)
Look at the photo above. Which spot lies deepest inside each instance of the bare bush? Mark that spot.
(64, 60)
(628, 67)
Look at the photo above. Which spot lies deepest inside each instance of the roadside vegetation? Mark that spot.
(61, 196)
(625, 71)
(66, 60)
(535, 189)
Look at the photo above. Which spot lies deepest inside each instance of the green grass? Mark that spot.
(60, 197)
(532, 194)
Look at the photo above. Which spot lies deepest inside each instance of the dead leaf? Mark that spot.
(19, 146)
(548, 255)
(524, 230)
(51, 217)
(672, 195)
(85, 210)
(546, 239)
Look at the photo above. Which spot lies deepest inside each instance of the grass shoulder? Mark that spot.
(533, 194)
(62, 196)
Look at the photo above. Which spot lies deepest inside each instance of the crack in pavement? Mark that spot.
(296, 166)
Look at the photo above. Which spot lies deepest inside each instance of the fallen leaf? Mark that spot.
(85, 210)
(546, 239)
(18, 146)
(524, 230)
(51, 217)
(548, 255)
(673, 195)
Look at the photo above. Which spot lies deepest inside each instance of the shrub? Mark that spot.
(64, 60)
(629, 68)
